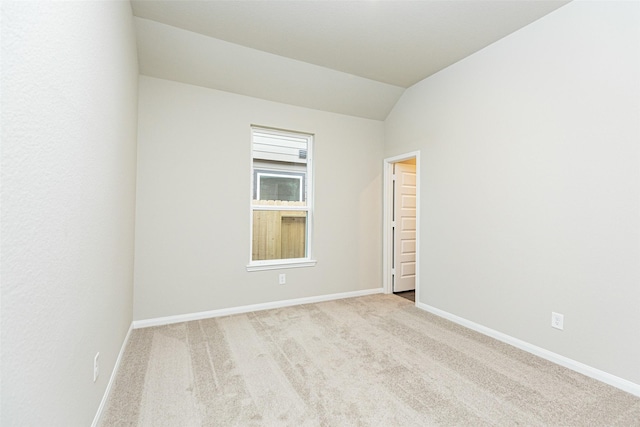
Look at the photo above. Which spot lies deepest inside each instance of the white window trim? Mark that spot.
(276, 264)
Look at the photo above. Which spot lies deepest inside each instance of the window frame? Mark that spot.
(307, 195)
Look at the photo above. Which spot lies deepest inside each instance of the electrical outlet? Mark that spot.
(557, 320)
(96, 366)
(282, 279)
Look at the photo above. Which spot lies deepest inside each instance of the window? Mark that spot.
(281, 205)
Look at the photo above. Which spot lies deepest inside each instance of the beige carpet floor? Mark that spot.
(367, 361)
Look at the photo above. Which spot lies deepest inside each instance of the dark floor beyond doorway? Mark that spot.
(410, 295)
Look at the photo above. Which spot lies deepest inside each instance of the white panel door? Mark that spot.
(404, 230)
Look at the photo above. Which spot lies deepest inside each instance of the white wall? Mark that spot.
(69, 78)
(531, 182)
(193, 193)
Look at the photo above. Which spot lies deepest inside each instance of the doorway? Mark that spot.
(401, 231)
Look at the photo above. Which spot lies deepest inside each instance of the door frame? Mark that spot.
(387, 215)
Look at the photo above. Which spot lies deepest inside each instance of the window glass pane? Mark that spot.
(279, 188)
(279, 234)
(274, 187)
(281, 169)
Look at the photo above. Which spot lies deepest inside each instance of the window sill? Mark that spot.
(280, 264)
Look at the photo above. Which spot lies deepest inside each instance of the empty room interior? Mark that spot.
(320, 213)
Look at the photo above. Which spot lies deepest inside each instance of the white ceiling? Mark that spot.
(349, 57)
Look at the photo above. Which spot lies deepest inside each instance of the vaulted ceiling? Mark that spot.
(348, 57)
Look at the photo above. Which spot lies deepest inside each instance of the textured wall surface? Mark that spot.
(69, 90)
(194, 190)
(530, 184)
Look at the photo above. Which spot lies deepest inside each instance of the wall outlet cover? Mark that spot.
(557, 320)
(96, 366)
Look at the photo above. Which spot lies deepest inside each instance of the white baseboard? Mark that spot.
(159, 321)
(107, 391)
(589, 371)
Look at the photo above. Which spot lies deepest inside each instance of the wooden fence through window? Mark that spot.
(278, 234)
